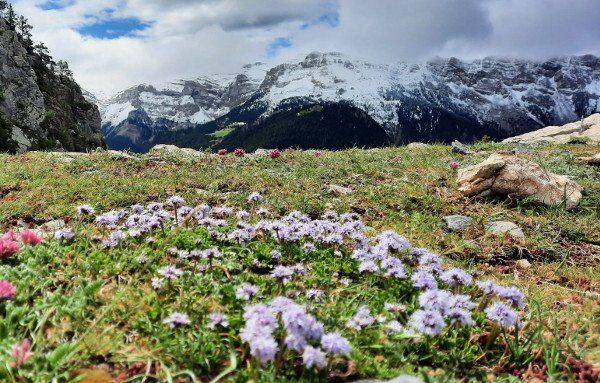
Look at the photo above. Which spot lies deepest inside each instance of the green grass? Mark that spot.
(222, 133)
(85, 307)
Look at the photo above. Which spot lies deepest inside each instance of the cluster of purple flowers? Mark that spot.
(442, 298)
(304, 334)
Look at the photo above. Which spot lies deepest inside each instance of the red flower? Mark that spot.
(30, 237)
(318, 153)
(8, 247)
(239, 152)
(274, 153)
(222, 152)
(453, 164)
(7, 290)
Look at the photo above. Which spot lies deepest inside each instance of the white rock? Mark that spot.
(516, 177)
(586, 129)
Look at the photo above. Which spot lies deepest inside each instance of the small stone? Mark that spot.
(460, 148)
(457, 222)
(501, 228)
(523, 264)
(417, 145)
(117, 154)
(399, 379)
(53, 225)
(261, 152)
(339, 190)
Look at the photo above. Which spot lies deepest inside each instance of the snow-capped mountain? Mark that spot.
(440, 100)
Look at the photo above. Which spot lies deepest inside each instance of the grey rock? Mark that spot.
(417, 145)
(53, 225)
(458, 147)
(457, 222)
(37, 101)
(399, 379)
(586, 130)
(501, 228)
(117, 154)
(508, 175)
(339, 190)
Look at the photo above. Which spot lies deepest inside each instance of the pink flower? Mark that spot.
(222, 152)
(453, 164)
(10, 236)
(30, 237)
(21, 354)
(274, 153)
(7, 290)
(318, 153)
(239, 152)
(8, 247)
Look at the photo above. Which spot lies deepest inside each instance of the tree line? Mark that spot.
(20, 25)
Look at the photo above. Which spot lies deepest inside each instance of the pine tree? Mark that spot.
(11, 17)
(3, 6)
(25, 29)
(63, 69)
(42, 50)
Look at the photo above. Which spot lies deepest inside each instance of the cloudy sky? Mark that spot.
(112, 44)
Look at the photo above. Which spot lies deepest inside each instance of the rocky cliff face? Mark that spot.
(440, 100)
(38, 108)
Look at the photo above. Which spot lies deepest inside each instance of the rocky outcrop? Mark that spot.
(586, 130)
(40, 109)
(514, 177)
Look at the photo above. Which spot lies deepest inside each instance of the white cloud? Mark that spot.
(188, 38)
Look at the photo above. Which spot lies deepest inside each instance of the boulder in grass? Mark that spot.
(501, 228)
(514, 177)
(457, 222)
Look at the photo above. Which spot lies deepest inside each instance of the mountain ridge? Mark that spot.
(439, 100)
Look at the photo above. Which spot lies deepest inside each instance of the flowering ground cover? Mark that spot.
(238, 268)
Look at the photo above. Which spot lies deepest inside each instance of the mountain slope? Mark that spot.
(440, 100)
(39, 107)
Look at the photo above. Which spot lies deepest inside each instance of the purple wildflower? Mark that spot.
(361, 319)
(64, 234)
(264, 349)
(488, 287)
(456, 277)
(177, 319)
(502, 314)
(336, 344)
(424, 280)
(170, 272)
(513, 295)
(314, 294)
(255, 197)
(428, 322)
(175, 200)
(282, 273)
(246, 291)
(85, 210)
(313, 357)
(217, 319)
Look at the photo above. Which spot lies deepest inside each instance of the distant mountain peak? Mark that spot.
(438, 100)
